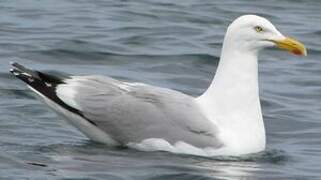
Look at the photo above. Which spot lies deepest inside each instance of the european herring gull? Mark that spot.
(225, 120)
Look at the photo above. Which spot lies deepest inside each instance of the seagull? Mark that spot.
(225, 120)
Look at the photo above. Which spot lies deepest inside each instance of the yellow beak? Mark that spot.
(291, 45)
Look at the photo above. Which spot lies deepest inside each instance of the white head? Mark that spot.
(253, 33)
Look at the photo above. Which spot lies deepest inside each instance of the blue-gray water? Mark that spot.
(174, 44)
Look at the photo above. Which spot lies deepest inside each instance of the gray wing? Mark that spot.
(134, 112)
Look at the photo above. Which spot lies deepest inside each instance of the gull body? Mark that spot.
(225, 120)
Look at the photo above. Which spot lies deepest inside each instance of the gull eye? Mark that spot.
(258, 28)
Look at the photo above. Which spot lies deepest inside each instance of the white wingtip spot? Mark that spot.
(48, 84)
(31, 79)
(26, 74)
(15, 73)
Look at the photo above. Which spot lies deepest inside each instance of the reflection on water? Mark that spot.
(90, 160)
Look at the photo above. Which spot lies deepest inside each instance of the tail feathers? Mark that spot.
(44, 84)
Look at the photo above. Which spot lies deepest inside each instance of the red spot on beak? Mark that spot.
(297, 52)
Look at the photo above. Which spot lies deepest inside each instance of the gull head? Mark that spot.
(253, 33)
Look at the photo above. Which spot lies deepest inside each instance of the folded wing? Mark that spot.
(132, 112)
(118, 113)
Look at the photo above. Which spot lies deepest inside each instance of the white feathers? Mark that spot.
(181, 147)
(232, 101)
(157, 144)
(68, 92)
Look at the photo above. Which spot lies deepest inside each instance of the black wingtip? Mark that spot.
(20, 69)
(44, 84)
(17, 72)
(17, 65)
(14, 67)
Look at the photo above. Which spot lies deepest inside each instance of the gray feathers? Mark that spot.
(134, 112)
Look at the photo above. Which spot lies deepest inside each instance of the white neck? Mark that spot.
(232, 101)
